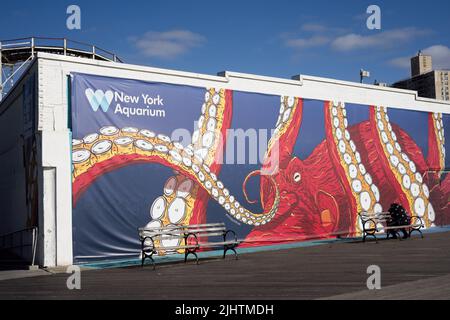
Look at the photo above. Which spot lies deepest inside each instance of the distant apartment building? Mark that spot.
(427, 82)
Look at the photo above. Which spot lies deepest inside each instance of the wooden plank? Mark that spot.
(297, 273)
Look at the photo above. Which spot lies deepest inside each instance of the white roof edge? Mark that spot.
(302, 78)
(232, 74)
(351, 84)
(225, 76)
(132, 67)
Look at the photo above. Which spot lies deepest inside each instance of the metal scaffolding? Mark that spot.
(15, 54)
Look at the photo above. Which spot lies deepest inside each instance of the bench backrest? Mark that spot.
(371, 215)
(178, 231)
(207, 230)
(383, 218)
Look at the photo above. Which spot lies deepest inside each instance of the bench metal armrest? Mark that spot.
(148, 247)
(190, 236)
(230, 232)
(416, 222)
(361, 215)
(370, 230)
(364, 217)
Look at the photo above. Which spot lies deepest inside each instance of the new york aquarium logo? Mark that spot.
(99, 99)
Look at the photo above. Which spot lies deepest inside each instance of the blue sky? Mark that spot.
(275, 38)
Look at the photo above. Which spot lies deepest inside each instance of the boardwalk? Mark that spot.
(414, 268)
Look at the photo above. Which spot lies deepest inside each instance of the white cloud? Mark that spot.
(312, 35)
(382, 40)
(402, 62)
(441, 56)
(314, 27)
(167, 44)
(325, 36)
(439, 53)
(301, 43)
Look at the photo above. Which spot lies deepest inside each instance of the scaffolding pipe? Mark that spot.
(20, 67)
(32, 47)
(20, 51)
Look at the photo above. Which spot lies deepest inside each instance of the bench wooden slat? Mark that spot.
(217, 244)
(166, 229)
(199, 235)
(165, 237)
(206, 230)
(168, 234)
(182, 227)
(172, 247)
(208, 234)
(376, 220)
(181, 236)
(395, 227)
(206, 226)
(198, 232)
(400, 227)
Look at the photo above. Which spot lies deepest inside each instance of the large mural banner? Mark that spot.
(275, 169)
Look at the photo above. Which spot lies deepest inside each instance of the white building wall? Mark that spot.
(12, 173)
(56, 140)
(56, 165)
(14, 214)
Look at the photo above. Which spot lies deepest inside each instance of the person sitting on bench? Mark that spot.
(399, 217)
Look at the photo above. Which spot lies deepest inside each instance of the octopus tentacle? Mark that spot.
(436, 143)
(285, 133)
(356, 180)
(99, 153)
(244, 185)
(145, 146)
(174, 206)
(206, 141)
(400, 169)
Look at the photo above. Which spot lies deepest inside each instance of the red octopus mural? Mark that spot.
(359, 168)
(365, 167)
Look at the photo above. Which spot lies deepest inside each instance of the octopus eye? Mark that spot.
(297, 177)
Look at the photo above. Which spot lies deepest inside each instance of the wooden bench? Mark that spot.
(188, 239)
(378, 224)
